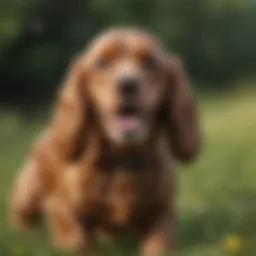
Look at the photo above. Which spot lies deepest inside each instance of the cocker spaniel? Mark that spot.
(125, 115)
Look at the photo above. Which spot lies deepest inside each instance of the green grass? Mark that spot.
(217, 195)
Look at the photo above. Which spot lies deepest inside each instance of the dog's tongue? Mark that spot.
(128, 123)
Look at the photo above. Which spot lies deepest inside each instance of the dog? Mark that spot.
(106, 162)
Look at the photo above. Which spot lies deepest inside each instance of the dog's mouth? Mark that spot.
(129, 118)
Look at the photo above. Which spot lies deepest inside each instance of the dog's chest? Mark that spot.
(123, 197)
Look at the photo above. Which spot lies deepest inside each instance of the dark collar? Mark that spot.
(125, 162)
(134, 162)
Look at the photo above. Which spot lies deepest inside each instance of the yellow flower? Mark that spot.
(233, 243)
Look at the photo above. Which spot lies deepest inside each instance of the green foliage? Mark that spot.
(38, 38)
(12, 18)
(216, 198)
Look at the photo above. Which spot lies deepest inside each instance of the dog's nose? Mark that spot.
(128, 86)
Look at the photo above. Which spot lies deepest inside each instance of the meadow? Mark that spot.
(216, 195)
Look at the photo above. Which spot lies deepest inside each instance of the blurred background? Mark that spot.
(217, 41)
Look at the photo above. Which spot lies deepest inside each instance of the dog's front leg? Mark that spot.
(67, 232)
(63, 209)
(159, 240)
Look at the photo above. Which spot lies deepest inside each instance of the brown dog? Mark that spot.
(106, 162)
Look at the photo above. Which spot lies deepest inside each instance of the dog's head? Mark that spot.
(127, 80)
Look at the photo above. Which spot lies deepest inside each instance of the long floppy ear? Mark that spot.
(181, 112)
(71, 115)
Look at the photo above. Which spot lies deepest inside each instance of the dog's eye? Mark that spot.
(102, 63)
(148, 62)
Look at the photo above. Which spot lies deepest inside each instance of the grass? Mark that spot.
(217, 195)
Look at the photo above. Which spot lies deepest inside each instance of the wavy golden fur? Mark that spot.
(125, 115)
